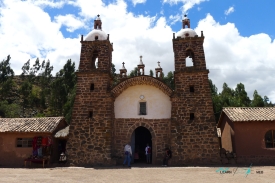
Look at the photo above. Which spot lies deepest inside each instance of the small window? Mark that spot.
(192, 90)
(91, 114)
(96, 37)
(24, 142)
(270, 139)
(142, 108)
(192, 116)
(92, 87)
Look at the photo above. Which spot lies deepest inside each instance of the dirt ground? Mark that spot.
(139, 174)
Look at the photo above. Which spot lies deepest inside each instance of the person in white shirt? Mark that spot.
(128, 154)
(148, 153)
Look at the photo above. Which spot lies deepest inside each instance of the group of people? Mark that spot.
(148, 151)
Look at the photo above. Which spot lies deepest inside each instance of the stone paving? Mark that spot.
(139, 174)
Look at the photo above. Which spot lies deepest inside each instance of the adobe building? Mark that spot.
(250, 133)
(17, 139)
(142, 109)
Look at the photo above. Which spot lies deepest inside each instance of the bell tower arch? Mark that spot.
(90, 129)
(193, 137)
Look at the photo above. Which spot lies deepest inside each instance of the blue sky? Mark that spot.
(239, 35)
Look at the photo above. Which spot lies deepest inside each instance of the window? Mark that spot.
(142, 108)
(91, 114)
(96, 37)
(192, 89)
(270, 139)
(24, 142)
(192, 116)
(92, 87)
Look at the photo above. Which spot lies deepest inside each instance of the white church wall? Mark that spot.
(158, 104)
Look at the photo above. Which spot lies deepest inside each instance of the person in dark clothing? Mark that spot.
(166, 157)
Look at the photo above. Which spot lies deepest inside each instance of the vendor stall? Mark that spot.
(29, 140)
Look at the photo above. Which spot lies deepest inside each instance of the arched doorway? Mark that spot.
(140, 137)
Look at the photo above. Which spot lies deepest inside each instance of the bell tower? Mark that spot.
(90, 129)
(193, 137)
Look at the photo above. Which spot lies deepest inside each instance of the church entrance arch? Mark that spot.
(141, 136)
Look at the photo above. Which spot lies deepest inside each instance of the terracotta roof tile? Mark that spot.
(250, 113)
(62, 133)
(47, 124)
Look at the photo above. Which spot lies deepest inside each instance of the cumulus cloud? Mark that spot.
(174, 18)
(138, 2)
(187, 4)
(229, 10)
(70, 21)
(27, 32)
(233, 58)
(230, 57)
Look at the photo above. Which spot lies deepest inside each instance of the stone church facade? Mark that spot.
(106, 117)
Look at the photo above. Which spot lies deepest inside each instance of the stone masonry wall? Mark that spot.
(90, 138)
(182, 45)
(91, 126)
(159, 129)
(192, 141)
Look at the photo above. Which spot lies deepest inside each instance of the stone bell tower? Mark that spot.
(90, 130)
(193, 139)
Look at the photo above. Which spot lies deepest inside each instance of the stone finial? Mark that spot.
(123, 71)
(98, 23)
(185, 22)
(140, 67)
(140, 62)
(158, 64)
(158, 71)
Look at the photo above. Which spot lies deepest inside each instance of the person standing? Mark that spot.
(167, 156)
(148, 153)
(127, 154)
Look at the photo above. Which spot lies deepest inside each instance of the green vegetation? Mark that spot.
(37, 93)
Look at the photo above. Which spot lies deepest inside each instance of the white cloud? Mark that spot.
(48, 3)
(230, 57)
(233, 58)
(26, 32)
(174, 19)
(70, 21)
(229, 10)
(187, 4)
(138, 2)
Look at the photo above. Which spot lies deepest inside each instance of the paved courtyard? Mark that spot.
(138, 174)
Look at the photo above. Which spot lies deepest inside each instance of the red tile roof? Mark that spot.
(250, 113)
(47, 124)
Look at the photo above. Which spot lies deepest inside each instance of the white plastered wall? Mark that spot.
(158, 104)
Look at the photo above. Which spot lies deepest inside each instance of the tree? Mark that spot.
(241, 98)
(257, 101)
(9, 110)
(169, 80)
(266, 103)
(45, 78)
(134, 72)
(216, 99)
(6, 76)
(151, 73)
(114, 75)
(63, 91)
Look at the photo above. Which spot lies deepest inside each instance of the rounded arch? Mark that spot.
(138, 124)
(141, 80)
